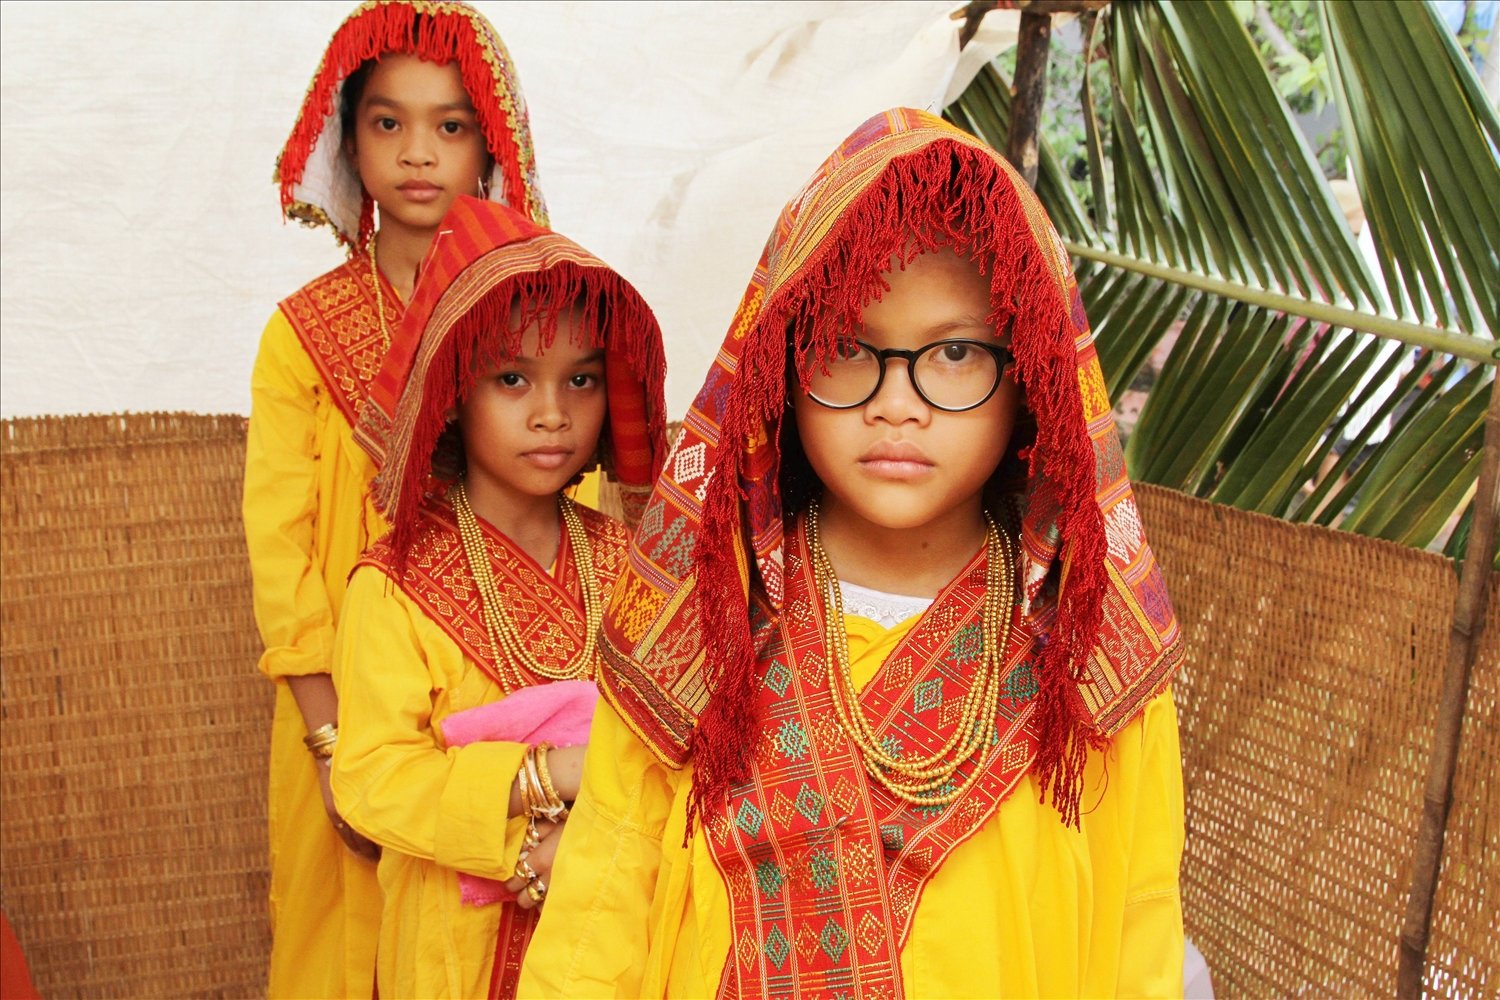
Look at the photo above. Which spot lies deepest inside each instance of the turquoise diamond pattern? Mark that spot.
(824, 869)
(928, 694)
(967, 646)
(809, 803)
(891, 746)
(749, 818)
(892, 836)
(768, 876)
(792, 740)
(777, 947)
(936, 808)
(834, 940)
(778, 676)
(1021, 686)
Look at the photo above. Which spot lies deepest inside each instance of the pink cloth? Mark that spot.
(559, 713)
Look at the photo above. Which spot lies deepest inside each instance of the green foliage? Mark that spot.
(1287, 373)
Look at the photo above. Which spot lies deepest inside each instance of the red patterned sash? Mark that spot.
(337, 321)
(823, 865)
(547, 609)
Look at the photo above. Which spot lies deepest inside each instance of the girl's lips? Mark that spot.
(420, 191)
(896, 470)
(547, 459)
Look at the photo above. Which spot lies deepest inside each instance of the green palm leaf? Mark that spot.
(1305, 381)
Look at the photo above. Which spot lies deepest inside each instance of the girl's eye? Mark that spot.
(956, 353)
(386, 124)
(451, 127)
(511, 379)
(584, 380)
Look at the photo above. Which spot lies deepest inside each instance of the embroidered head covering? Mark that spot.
(319, 185)
(710, 544)
(490, 274)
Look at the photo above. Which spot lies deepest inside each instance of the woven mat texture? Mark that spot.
(135, 724)
(1314, 661)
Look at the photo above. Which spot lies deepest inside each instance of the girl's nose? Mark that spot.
(897, 401)
(548, 412)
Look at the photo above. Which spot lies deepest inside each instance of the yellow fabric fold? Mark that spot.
(306, 522)
(435, 810)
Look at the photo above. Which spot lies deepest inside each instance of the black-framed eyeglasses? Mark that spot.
(950, 375)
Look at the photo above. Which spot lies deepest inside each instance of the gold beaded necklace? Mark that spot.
(511, 653)
(922, 781)
(385, 332)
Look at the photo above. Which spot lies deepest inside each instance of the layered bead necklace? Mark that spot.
(511, 654)
(385, 331)
(928, 780)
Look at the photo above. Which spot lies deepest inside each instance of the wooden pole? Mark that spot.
(1032, 49)
(1463, 643)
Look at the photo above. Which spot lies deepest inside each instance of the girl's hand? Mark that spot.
(365, 848)
(540, 859)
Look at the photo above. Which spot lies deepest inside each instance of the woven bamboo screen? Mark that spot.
(1307, 707)
(135, 726)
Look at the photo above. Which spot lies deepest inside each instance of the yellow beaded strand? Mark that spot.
(916, 780)
(511, 653)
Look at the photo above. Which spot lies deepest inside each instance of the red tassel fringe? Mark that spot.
(938, 196)
(435, 35)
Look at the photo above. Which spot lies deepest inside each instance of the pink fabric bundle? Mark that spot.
(559, 713)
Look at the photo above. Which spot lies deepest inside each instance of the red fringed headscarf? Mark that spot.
(489, 275)
(678, 632)
(319, 185)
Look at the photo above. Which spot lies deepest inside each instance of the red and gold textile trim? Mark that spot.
(824, 866)
(516, 927)
(545, 608)
(337, 320)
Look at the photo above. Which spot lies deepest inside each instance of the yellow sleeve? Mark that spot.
(1151, 946)
(392, 780)
(292, 608)
(593, 937)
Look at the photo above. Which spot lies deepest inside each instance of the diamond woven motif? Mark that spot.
(777, 947)
(892, 836)
(781, 808)
(968, 645)
(778, 676)
(927, 694)
(749, 818)
(870, 932)
(809, 803)
(807, 942)
(834, 939)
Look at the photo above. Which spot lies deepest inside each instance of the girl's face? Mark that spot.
(417, 144)
(897, 462)
(530, 424)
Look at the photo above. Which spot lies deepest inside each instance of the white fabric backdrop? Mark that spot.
(141, 249)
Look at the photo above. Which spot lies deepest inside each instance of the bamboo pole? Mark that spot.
(1463, 643)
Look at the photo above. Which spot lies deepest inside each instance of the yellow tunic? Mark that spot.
(306, 522)
(435, 810)
(1026, 907)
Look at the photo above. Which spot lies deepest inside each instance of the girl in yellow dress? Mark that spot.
(886, 707)
(521, 362)
(412, 105)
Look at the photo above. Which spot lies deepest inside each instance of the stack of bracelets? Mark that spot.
(540, 801)
(320, 742)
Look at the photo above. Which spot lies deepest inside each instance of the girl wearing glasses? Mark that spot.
(886, 679)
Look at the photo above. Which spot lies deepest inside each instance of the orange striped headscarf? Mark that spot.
(678, 632)
(319, 186)
(489, 275)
